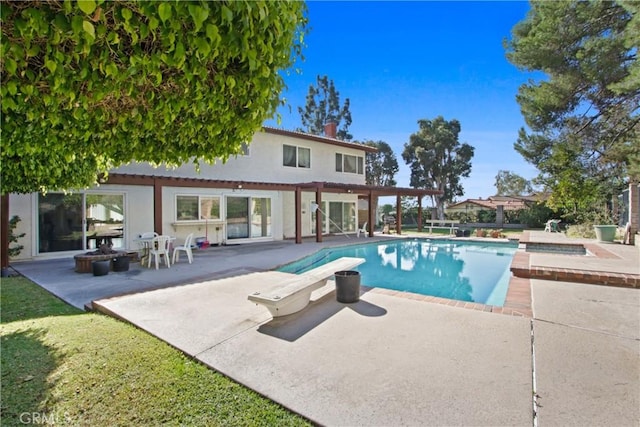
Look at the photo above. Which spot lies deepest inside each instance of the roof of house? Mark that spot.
(508, 202)
(319, 138)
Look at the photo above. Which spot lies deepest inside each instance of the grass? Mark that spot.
(68, 367)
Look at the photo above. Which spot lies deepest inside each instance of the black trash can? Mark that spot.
(347, 286)
(101, 268)
(121, 263)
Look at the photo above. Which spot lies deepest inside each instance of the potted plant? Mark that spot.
(481, 232)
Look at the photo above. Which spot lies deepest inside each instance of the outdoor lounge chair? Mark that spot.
(552, 226)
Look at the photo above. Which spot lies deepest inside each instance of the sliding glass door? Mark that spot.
(105, 220)
(248, 217)
(237, 217)
(60, 220)
(71, 222)
(340, 217)
(260, 217)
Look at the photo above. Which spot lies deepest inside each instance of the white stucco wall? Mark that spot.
(264, 164)
(23, 206)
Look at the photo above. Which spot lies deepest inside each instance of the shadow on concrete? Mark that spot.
(296, 325)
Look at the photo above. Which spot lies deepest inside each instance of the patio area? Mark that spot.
(392, 358)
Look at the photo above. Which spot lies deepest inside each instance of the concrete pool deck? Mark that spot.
(390, 359)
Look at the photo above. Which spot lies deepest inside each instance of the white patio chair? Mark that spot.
(362, 230)
(183, 248)
(160, 248)
(552, 226)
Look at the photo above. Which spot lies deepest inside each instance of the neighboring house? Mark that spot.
(265, 194)
(508, 203)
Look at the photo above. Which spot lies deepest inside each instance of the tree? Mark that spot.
(512, 184)
(438, 160)
(323, 106)
(583, 115)
(382, 166)
(92, 84)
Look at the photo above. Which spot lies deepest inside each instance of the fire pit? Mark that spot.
(83, 261)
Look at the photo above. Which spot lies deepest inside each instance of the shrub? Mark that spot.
(584, 230)
(13, 237)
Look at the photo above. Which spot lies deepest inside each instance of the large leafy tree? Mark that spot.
(511, 184)
(583, 114)
(323, 106)
(438, 160)
(91, 84)
(381, 166)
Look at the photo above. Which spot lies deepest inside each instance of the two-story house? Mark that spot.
(286, 185)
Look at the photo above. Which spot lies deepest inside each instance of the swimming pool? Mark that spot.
(462, 270)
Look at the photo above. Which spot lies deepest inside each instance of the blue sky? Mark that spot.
(399, 62)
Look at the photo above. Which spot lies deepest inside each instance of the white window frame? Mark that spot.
(297, 156)
(340, 168)
(199, 216)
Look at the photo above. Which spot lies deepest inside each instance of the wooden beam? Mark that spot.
(398, 214)
(372, 223)
(157, 206)
(4, 234)
(319, 215)
(419, 214)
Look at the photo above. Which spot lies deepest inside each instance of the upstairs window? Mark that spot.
(293, 156)
(349, 163)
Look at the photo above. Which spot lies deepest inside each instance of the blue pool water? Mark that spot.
(461, 270)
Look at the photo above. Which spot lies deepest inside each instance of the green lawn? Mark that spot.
(69, 367)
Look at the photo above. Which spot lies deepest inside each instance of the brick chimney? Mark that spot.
(330, 129)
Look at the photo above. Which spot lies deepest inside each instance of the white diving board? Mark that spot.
(295, 293)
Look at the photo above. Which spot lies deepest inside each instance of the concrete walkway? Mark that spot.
(388, 359)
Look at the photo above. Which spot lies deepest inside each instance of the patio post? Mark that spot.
(298, 208)
(4, 234)
(398, 214)
(319, 214)
(419, 214)
(634, 210)
(157, 206)
(371, 214)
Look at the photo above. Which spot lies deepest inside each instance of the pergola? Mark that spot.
(367, 192)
